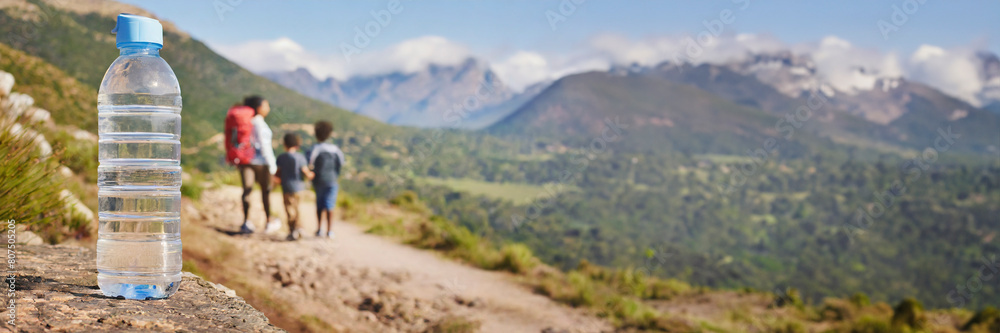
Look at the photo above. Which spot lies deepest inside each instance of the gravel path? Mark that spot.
(373, 279)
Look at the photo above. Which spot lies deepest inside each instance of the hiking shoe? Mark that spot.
(247, 227)
(294, 235)
(272, 226)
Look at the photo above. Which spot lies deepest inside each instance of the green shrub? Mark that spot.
(790, 298)
(837, 310)
(228, 177)
(860, 300)
(625, 281)
(77, 155)
(29, 189)
(582, 290)
(408, 200)
(666, 289)
(987, 320)
(574, 289)
(385, 228)
(516, 258)
(909, 313)
(192, 267)
(192, 188)
(870, 325)
(459, 236)
(350, 207)
(457, 241)
(633, 313)
(345, 202)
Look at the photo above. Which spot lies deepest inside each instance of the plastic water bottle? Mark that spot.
(139, 177)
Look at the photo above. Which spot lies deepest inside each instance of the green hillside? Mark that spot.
(788, 221)
(69, 101)
(82, 46)
(660, 116)
(929, 110)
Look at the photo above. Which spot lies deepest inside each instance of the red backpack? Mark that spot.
(239, 129)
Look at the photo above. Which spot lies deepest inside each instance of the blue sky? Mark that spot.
(489, 25)
(932, 41)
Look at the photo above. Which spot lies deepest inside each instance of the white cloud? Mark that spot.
(956, 72)
(281, 54)
(284, 54)
(523, 69)
(410, 56)
(848, 68)
(838, 62)
(619, 49)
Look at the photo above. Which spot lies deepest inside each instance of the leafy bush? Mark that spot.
(346, 204)
(987, 320)
(790, 298)
(909, 313)
(227, 177)
(870, 325)
(574, 289)
(860, 300)
(666, 289)
(837, 310)
(629, 282)
(77, 155)
(633, 313)
(436, 233)
(192, 188)
(407, 200)
(582, 290)
(516, 258)
(29, 187)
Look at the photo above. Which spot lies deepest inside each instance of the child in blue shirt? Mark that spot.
(326, 160)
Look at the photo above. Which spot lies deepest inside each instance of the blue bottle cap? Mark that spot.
(137, 29)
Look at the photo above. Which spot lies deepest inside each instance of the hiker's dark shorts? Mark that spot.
(326, 196)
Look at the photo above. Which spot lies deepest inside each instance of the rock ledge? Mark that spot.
(56, 290)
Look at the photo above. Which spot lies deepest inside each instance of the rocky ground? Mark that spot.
(56, 291)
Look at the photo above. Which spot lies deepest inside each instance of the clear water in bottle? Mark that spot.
(139, 177)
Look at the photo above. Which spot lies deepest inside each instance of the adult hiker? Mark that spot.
(248, 147)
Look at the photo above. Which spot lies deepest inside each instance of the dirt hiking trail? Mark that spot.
(360, 282)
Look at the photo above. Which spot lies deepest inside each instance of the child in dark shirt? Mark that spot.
(292, 169)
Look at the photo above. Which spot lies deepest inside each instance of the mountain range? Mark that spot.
(990, 77)
(898, 112)
(434, 97)
(894, 111)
